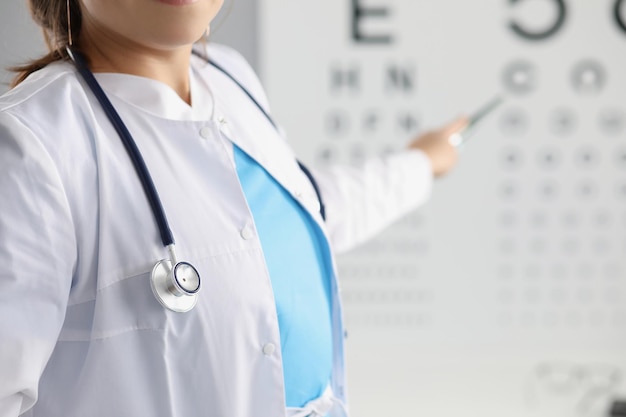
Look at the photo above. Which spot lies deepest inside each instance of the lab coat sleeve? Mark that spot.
(37, 254)
(362, 200)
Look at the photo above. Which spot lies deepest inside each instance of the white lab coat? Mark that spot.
(81, 333)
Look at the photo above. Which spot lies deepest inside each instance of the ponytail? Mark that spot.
(52, 17)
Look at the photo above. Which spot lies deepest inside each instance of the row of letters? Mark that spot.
(361, 13)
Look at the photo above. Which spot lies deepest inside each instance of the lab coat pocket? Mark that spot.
(124, 306)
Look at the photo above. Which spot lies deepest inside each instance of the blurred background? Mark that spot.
(506, 294)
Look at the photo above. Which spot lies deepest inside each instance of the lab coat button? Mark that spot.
(205, 132)
(268, 349)
(247, 233)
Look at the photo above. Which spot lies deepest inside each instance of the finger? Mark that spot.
(457, 125)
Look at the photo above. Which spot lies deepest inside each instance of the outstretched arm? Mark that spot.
(363, 200)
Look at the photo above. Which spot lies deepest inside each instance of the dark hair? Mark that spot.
(51, 16)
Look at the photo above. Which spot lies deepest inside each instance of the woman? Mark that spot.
(81, 331)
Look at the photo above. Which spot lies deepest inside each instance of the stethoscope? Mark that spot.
(175, 284)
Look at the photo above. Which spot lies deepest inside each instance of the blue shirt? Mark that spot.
(298, 271)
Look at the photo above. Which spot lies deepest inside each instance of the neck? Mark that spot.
(108, 54)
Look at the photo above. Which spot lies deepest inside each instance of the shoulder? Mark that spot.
(45, 87)
(229, 58)
(237, 67)
(44, 110)
(48, 99)
(52, 96)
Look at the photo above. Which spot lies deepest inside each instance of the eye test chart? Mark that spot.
(505, 295)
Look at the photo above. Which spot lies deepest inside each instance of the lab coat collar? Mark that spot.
(158, 98)
(218, 100)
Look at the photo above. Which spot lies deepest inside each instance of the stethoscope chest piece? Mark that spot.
(175, 288)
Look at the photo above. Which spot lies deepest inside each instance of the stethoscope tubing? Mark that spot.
(131, 148)
(164, 279)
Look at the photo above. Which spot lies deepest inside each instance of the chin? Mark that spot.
(177, 30)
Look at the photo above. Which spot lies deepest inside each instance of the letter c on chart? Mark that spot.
(542, 34)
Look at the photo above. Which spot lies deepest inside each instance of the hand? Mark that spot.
(437, 147)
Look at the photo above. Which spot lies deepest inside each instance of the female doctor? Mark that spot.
(163, 252)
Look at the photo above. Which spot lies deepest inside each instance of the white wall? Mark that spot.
(20, 38)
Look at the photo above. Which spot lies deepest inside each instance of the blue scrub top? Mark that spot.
(298, 270)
